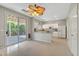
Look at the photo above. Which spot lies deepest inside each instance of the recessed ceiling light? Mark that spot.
(56, 17)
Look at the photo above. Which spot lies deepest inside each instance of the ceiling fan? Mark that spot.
(34, 10)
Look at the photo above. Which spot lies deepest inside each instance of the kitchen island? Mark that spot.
(43, 36)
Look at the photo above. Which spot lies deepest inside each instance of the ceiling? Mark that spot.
(53, 11)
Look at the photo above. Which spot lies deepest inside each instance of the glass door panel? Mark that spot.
(22, 29)
(12, 35)
(12, 30)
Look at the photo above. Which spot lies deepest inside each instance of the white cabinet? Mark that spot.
(43, 36)
(61, 31)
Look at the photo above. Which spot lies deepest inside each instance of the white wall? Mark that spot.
(78, 29)
(2, 31)
(2, 27)
(29, 27)
(72, 29)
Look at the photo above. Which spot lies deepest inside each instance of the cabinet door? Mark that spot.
(61, 31)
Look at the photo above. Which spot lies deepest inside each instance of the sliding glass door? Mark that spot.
(16, 30)
(22, 29)
(12, 30)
